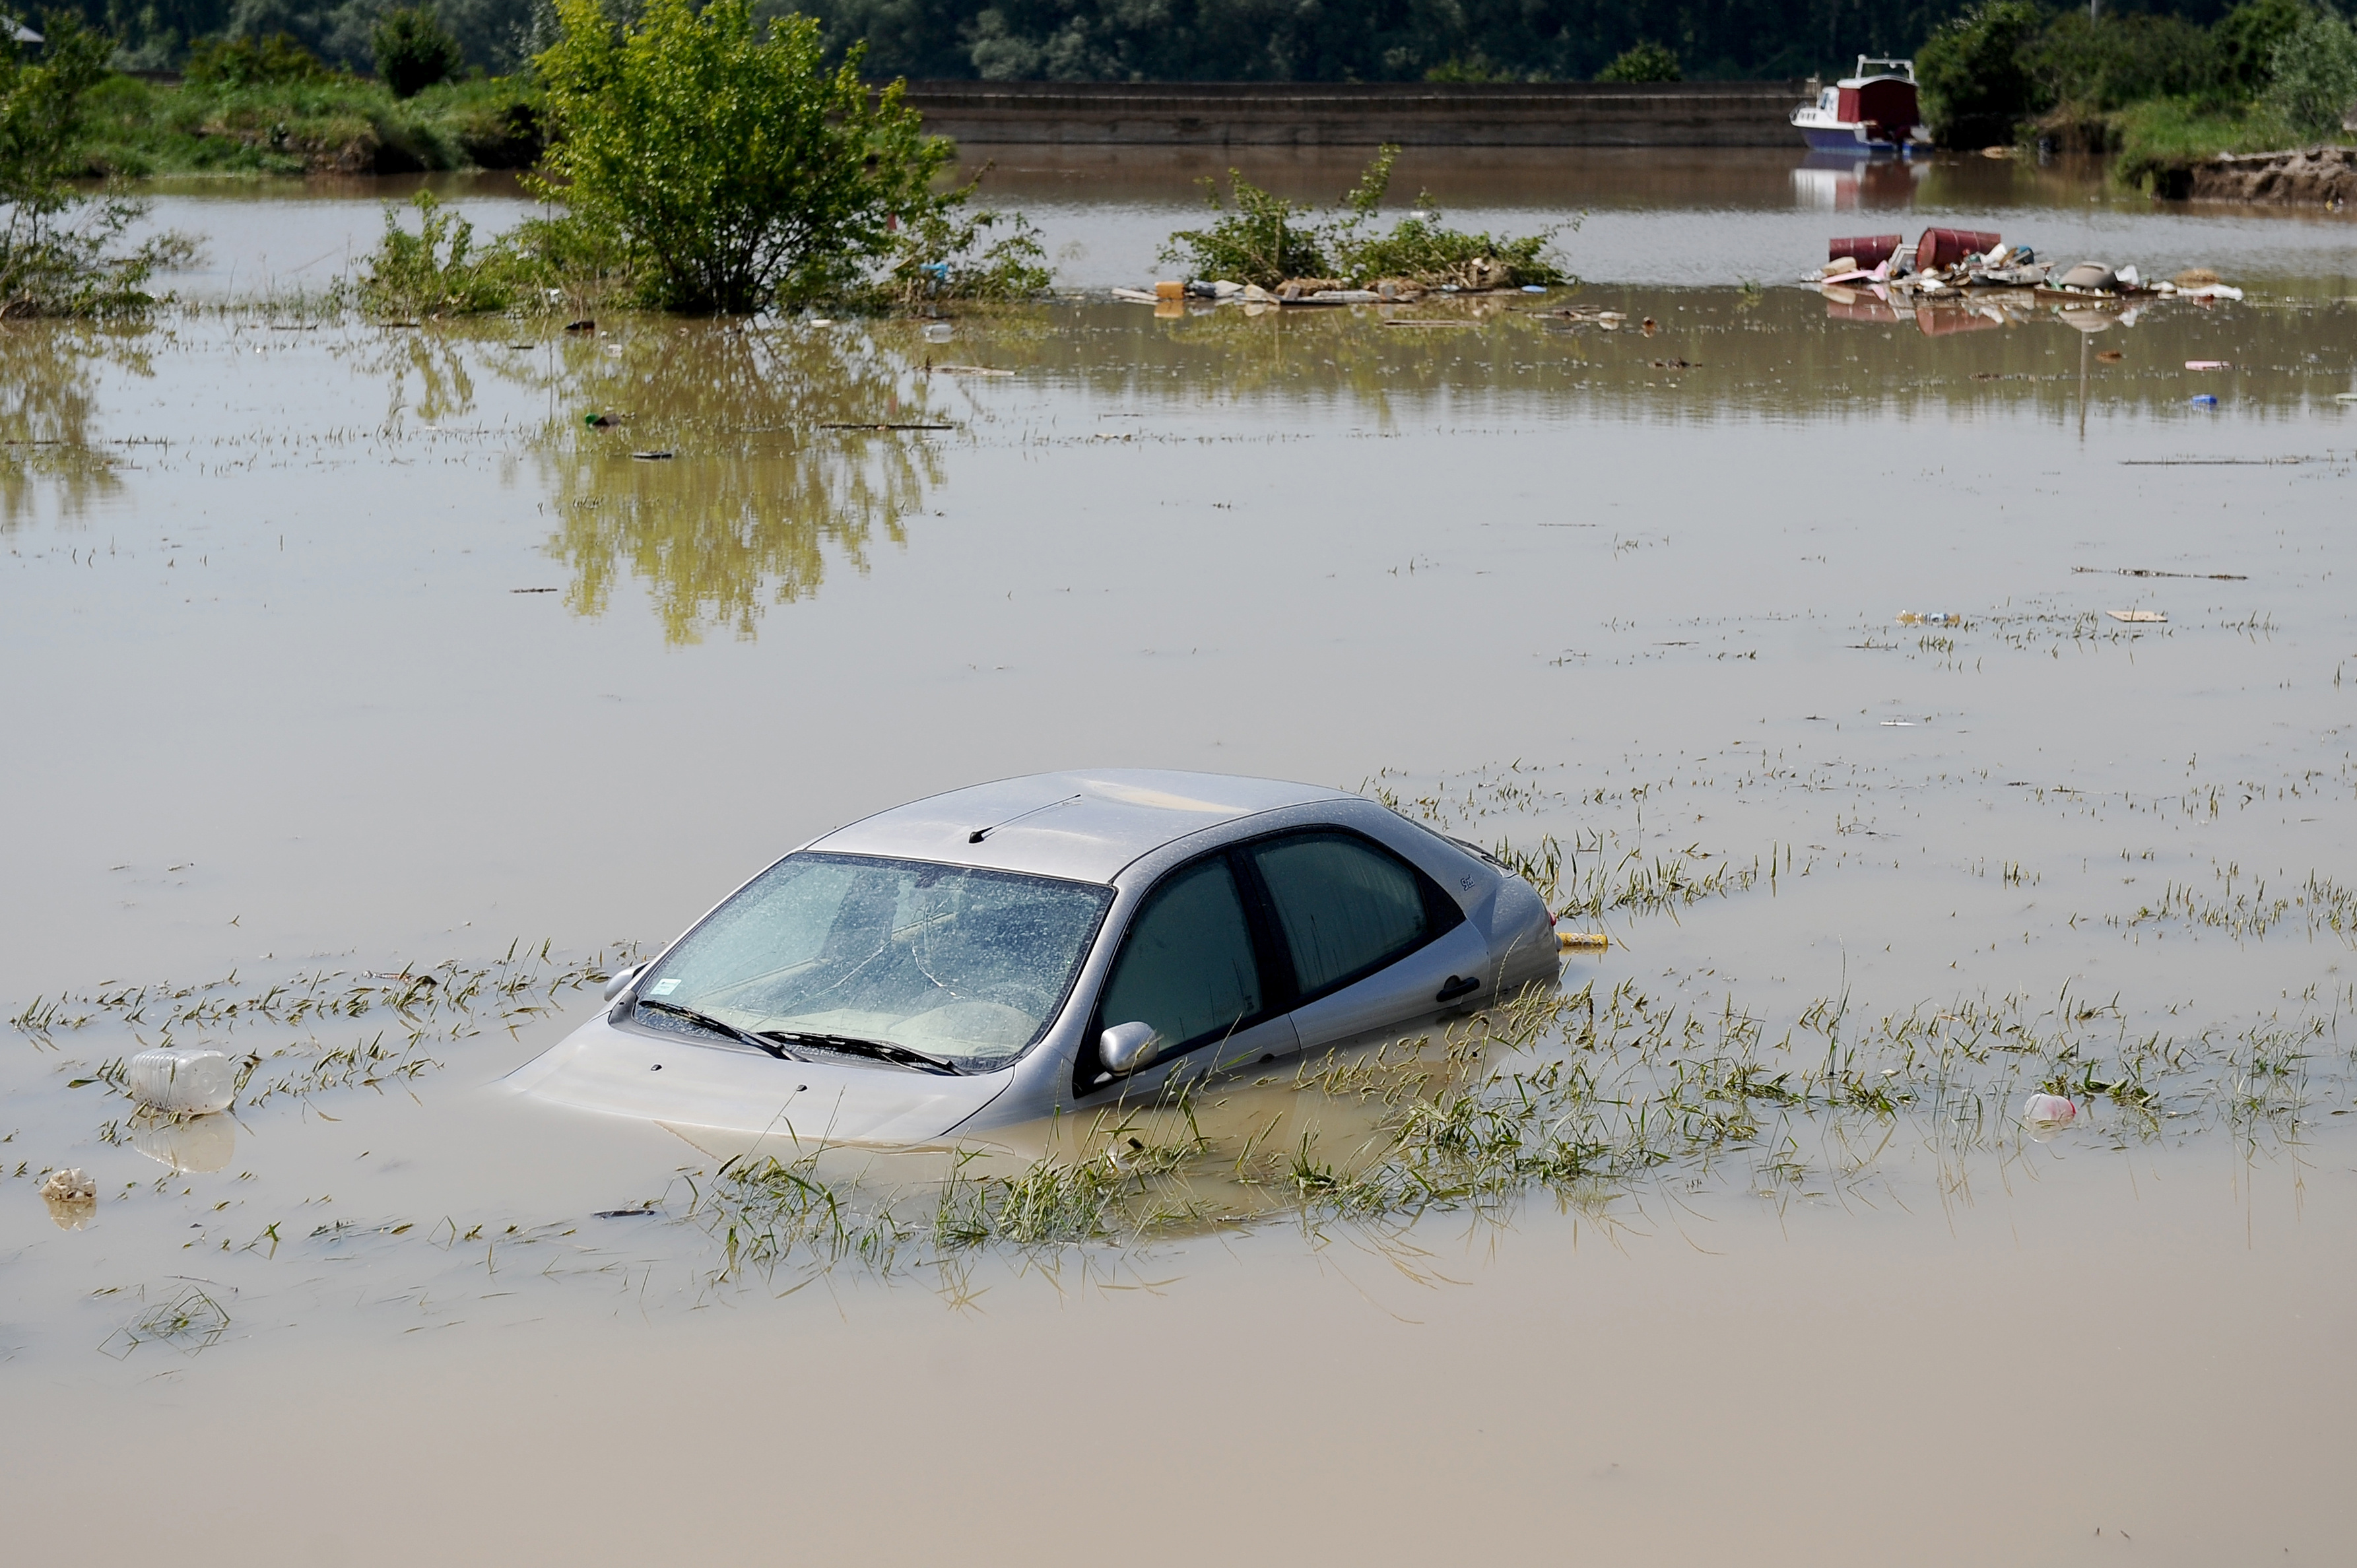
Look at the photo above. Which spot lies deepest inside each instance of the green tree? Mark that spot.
(2118, 61)
(1648, 61)
(2315, 76)
(414, 52)
(57, 243)
(1975, 72)
(253, 62)
(2247, 38)
(726, 159)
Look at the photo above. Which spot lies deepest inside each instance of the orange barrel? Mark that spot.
(1945, 247)
(1871, 250)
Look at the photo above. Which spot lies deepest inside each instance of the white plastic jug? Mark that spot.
(183, 1080)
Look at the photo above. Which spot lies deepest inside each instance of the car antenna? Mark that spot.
(980, 833)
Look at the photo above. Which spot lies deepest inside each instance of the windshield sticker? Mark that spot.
(663, 988)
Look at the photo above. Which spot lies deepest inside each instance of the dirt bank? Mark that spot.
(2317, 177)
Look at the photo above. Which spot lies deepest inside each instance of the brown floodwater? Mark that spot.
(343, 651)
(1632, 215)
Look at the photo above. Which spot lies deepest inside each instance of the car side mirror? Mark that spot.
(621, 981)
(1125, 1047)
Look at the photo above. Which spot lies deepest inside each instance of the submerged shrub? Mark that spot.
(2314, 73)
(948, 251)
(58, 255)
(1648, 61)
(724, 157)
(1267, 239)
(414, 52)
(1256, 237)
(1423, 250)
(437, 270)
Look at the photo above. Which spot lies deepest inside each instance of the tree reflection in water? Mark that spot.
(49, 394)
(756, 496)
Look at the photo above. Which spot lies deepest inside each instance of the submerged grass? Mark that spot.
(1576, 1095)
(422, 1008)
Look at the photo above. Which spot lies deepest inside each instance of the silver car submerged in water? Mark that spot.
(1052, 943)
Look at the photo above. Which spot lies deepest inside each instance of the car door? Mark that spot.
(1371, 943)
(1192, 966)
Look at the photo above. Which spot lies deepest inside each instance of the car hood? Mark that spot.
(679, 1082)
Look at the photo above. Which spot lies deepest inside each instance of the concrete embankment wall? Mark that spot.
(1416, 114)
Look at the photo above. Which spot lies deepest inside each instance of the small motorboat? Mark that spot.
(1873, 112)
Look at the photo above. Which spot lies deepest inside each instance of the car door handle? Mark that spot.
(1456, 988)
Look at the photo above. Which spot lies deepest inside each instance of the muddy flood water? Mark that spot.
(1933, 708)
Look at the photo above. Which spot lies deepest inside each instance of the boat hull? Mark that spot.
(1848, 139)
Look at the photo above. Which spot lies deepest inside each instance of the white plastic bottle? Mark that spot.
(183, 1080)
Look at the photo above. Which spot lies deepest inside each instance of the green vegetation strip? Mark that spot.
(1581, 1095)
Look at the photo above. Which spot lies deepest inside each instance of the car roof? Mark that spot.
(1085, 824)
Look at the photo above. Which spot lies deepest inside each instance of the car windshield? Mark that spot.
(968, 967)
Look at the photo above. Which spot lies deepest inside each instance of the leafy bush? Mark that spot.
(2122, 60)
(946, 252)
(1422, 250)
(1419, 248)
(2247, 38)
(413, 52)
(492, 123)
(2314, 73)
(727, 161)
(1255, 238)
(253, 62)
(1647, 61)
(58, 255)
(437, 271)
(1267, 239)
(1975, 74)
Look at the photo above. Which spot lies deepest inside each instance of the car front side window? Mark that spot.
(1186, 967)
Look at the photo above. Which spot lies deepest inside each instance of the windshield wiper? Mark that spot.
(882, 1050)
(742, 1036)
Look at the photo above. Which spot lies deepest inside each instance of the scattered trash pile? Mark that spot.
(1947, 260)
(1171, 297)
(1984, 282)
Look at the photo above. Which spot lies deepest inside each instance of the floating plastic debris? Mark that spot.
(182, 1080)
(70, 1185)
(2050, 1109)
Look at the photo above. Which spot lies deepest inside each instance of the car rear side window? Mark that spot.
(1187, 966)
(1344, 907)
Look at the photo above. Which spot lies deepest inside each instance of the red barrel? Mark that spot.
(1871, 250)
(1936, 322)
(1945, 247)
